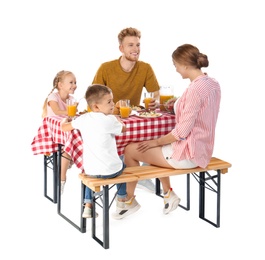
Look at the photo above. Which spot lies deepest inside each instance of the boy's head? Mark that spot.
(100, 99)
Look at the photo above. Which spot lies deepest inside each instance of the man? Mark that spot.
(127, 77)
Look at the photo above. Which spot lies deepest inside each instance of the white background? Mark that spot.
(40, 38)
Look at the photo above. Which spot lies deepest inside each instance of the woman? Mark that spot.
(191, 142)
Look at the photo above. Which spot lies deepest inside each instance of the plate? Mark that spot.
(149, 114)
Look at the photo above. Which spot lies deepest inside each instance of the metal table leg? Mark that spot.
(50, 161)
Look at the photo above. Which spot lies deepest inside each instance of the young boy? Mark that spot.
(98, 129)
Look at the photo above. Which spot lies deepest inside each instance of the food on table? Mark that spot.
(137, 108)
(149, 114)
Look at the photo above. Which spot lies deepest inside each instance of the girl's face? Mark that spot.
(106, 105)
(68, 85)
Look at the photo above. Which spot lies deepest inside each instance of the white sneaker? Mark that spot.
(62, 186)
(124, 209)
(87, 213)
(171, 201)
(146, 185)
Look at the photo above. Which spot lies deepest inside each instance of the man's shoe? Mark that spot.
(126, 208)
(87, 213)
(146, 185)
(171, 201)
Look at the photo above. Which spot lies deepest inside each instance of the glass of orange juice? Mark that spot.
(166, 93)
(71, 107)
(125, 108)
(148, 97)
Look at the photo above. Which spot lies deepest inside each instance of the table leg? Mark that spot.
(50, 161)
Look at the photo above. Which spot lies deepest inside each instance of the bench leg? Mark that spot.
(105, 206)
(82, 227)
(204, 184)
(158, 192)
(187, 207)
(50, 161)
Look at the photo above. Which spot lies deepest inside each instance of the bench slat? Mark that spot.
(95, 183)
(137, 173)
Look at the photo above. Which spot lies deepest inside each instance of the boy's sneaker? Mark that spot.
(87, 213)
(171, 201)
(62, 186)
(126, 208)
(146, 185)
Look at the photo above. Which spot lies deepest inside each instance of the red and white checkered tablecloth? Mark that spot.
(137, 129)
(140, 129)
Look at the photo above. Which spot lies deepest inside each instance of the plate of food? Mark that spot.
(137, 108)
(147, 114)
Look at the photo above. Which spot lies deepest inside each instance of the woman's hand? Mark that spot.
(171, 101)
(146, 145)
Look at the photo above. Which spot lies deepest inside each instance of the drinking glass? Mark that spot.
(148, 97)
(71, 107)
(125, 108)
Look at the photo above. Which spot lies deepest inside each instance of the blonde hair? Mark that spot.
(60, 76)
(128, 32)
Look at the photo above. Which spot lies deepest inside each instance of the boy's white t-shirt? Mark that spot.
(100, 155)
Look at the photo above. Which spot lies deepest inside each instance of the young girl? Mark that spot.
(55, 104)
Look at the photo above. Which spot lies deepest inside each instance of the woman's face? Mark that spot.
(181, 69)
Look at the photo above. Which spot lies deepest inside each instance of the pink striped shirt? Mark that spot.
(196, 115)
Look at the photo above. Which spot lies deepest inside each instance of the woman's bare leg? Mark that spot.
(153, 156)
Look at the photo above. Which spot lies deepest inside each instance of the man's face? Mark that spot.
(130, 47)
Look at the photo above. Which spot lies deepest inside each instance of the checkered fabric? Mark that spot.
(141, 129)
(137, 129)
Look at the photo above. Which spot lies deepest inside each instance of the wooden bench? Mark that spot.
(101, 187)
